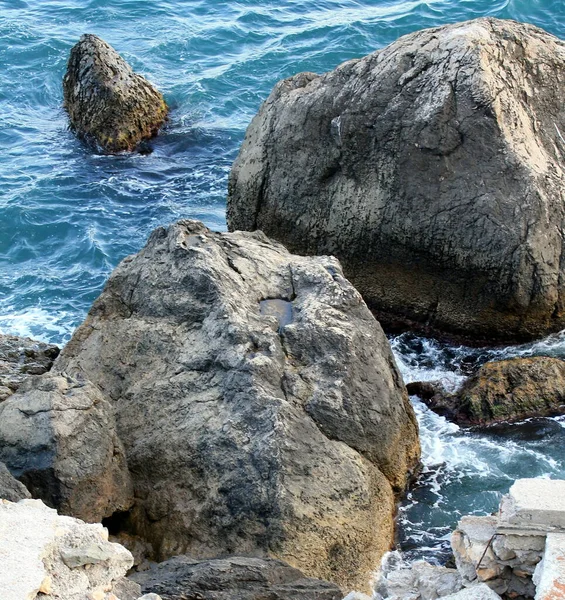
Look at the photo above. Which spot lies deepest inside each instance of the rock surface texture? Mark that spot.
(10, 488)
(257, 399)
(108, 104)
(21, 357)
(233, 578)
(417, 581)
(58, 436)
(51, 557)
(507, 390)
(433, 169)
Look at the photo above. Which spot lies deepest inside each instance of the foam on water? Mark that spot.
(467, 471)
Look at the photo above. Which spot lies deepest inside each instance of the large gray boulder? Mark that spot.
(21, 357)
(58, 436)
(257, 399)
(108, 104)
(233, 578)
(433, 169)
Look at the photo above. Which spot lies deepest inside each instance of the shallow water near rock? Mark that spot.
(69, 215)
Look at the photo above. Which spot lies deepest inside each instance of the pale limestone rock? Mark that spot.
(549, 576)
(476, 592)
(33, 541)
(534, 504)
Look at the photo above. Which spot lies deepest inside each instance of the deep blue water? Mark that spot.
(68, 215)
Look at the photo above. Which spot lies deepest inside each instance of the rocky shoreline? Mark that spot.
(231, 413)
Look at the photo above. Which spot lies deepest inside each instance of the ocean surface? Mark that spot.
(69, 215)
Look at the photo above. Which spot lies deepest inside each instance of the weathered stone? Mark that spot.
(550, 575)
(21, 357)
(469, 543)
(233, 578)
(107, 102)
(126, 589)
(33, 539)
(10, 488)
(433, 169)
(421, 580)
(476, 592)
(507, 390)
(537, 504)
(257, 399)
(58, 435)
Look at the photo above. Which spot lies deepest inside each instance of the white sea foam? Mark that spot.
(37, 324)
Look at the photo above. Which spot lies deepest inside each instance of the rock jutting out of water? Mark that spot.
(506, 390)
(108, 104)
(433, 169)
(285, 433)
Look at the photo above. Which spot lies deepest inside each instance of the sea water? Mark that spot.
(68, 215)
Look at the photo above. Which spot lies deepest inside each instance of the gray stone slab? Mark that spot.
(534, 504)
(476, 592)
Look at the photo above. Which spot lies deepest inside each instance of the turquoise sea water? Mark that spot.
(68, 215)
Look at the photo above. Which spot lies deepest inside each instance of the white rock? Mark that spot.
(476, 592)
(534, 504)
(33, 541)
(549, 576)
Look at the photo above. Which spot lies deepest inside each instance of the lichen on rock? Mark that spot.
(108, 104)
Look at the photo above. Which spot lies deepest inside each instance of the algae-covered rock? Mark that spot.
(507, 390)
(108, 104)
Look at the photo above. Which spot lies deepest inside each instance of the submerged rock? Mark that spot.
(257, 399)
(109, 104)
(233, 578)
(58, 435)
(56, 557)
(507, 390)
(433, 169)
(21, 357)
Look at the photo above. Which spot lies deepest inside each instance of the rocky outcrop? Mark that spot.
(20, 357)
(233, 578)
(58, 436)
(417, 581)
(257, 399)
(433, 169)
(51, 557)
(507, 390)
(108, 104)
(10, 488)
